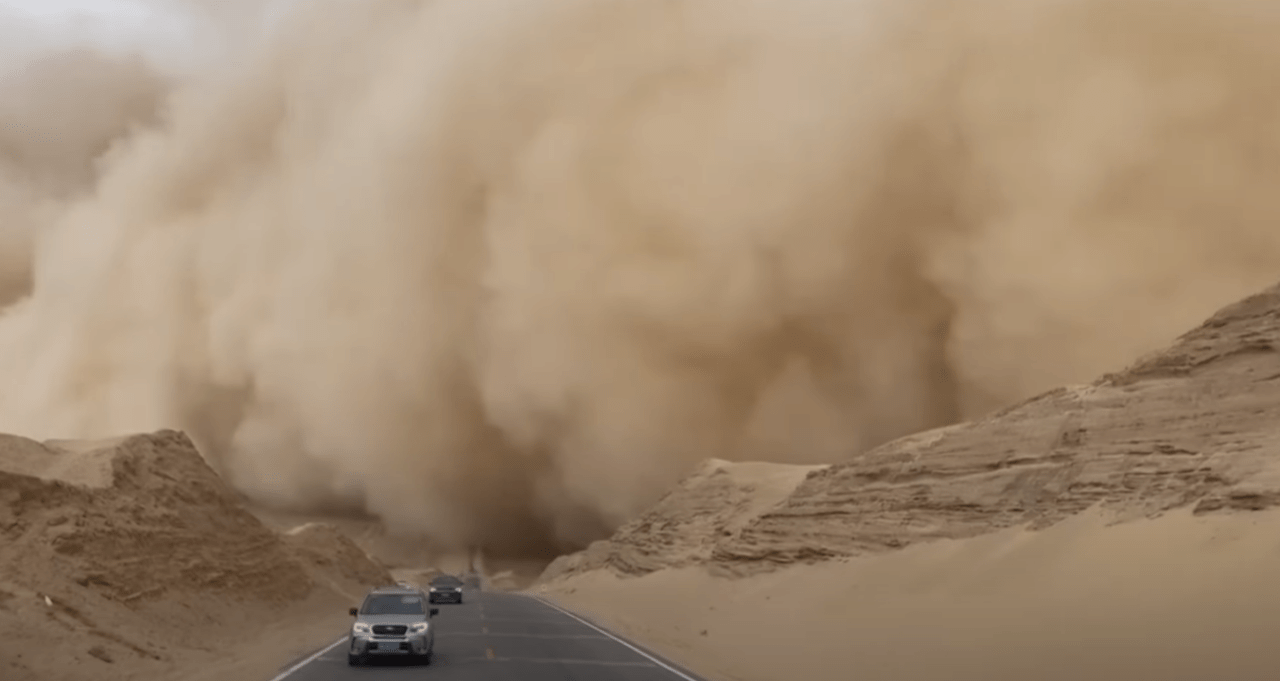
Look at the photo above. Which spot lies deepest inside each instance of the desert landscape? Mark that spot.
(1123, 528)
(820, 339)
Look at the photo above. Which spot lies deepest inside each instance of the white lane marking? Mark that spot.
(615, 637)
(309, 660)
(561, 661)
(594, 637)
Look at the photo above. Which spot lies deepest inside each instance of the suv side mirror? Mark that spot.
(433, 612)
(353, 612)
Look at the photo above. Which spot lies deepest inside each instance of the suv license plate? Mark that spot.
(388, 645)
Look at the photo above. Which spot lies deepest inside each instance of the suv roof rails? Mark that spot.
(395, 585)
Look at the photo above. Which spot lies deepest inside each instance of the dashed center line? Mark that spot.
(542, 621)
(563, 661)
(522, 634)
(488, 652)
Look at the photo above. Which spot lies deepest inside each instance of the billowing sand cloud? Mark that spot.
(60, 112)
(501, 271)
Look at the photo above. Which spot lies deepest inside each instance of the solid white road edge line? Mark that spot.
(617, 638)
(309, 660)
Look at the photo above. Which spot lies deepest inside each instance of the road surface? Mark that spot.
(495, 636)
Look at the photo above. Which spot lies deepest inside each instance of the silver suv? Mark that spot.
(393, 620)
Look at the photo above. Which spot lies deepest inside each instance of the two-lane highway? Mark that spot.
(504, 637)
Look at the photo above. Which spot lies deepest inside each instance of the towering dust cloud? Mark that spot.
(60, 112)
(501, 270)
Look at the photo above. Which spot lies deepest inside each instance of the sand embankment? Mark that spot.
(141, 563)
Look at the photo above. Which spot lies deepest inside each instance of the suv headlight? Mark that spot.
(360, 628)
(418, 628)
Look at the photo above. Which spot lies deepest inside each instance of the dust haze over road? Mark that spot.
(500, 271)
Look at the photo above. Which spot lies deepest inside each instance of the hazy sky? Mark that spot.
(121, 23)
(113, 25)
(124, 16)
(66, 7)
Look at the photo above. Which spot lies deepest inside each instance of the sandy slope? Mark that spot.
(1116, 530)
(687, 525)
(141, 563)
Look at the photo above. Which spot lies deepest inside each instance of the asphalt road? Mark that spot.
(503, 637)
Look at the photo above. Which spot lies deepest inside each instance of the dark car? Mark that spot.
(445, 589)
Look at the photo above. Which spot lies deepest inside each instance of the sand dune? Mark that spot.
(1123, 529)
(135, 556)
(684, 528)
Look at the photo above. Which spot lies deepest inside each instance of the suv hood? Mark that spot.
(391, 619)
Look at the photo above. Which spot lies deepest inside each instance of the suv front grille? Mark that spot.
(390, 629)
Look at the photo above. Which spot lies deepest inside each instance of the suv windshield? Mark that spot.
(392, 604)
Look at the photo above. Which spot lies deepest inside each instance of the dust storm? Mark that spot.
(500, 271)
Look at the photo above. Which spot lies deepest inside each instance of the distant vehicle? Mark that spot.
(446, 589)
(393, 620)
